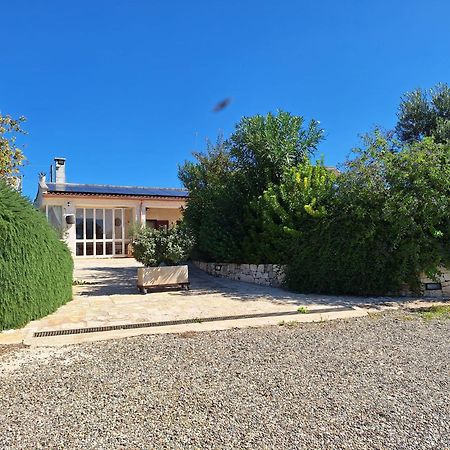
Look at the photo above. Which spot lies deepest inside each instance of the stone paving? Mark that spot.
(106, 294)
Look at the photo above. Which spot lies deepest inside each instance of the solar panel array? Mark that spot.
(100, 189)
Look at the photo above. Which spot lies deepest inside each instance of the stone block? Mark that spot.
(247, 278)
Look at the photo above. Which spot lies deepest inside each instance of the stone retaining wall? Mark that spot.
(444, 283)
(265, 274)
(273, 275)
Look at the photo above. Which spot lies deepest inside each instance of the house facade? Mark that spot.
(96, 220)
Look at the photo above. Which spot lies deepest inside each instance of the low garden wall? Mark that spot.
(265, 274)
(273, 275)
(431, 288)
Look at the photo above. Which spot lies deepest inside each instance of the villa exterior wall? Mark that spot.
(171, 214)
(96, 220)
(141, 210)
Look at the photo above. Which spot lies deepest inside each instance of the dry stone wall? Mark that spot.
(440, 288)
(273, 275)
(264, 274)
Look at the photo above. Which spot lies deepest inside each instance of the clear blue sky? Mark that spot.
(124, 89)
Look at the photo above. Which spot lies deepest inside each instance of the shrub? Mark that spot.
(228, 179)
(285, 212)
(35, 266)
(388, 221)
(425, 113)
(163, 246)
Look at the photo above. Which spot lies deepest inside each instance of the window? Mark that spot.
(152, 223)
(79, 224)
(89, 217)
(102, 231)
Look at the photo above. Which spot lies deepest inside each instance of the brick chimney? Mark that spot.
(60, 170)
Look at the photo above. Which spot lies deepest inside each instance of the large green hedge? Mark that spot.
(387, 222)
(378, 224)
(35, 266)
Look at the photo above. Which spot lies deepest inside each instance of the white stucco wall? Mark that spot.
(159, 209)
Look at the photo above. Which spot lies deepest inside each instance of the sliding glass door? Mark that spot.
(102, 231)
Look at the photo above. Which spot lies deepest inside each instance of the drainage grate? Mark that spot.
(180, 322)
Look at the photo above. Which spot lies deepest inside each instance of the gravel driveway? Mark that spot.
(380, 382)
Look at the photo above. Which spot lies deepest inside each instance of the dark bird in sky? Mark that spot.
(222, 105)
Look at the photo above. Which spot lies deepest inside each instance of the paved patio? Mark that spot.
(106, 295)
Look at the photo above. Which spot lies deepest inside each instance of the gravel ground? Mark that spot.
(381, 382)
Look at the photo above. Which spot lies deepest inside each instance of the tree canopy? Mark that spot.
(225, 180)
(11, 156)
(425, 113)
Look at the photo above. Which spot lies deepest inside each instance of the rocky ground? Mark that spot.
(381, 382)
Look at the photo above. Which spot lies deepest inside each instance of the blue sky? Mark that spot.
(125, 89)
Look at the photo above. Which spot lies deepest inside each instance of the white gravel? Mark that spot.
(380, 382)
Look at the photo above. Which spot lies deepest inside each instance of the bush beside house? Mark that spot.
(387, 224)
(155, 247)
(35, 266)
(384, 221)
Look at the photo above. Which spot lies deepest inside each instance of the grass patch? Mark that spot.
(375, 315)
(435, 312)
(408, 318)
(302, 310)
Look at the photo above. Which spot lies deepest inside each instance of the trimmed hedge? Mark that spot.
(35, 266)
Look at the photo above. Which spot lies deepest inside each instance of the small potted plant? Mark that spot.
(162, 251)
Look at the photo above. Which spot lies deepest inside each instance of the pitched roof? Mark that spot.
(122, 191)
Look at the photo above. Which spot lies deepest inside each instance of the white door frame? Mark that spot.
(121, 241)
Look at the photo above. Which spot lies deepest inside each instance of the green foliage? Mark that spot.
(225, 181)
(35, 266)
(285, 212)
(425, 114)
(212, 213)
(257, 198)
(388, 221)
(264, 147)
(439, 312)
(11, 156)
(162, 246)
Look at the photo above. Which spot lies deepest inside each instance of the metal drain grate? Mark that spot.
(180, 322)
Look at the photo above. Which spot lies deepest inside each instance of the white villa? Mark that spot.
(96, 219)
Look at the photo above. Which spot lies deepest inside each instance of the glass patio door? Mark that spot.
(101, 232)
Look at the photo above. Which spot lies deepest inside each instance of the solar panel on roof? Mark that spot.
(116, 190)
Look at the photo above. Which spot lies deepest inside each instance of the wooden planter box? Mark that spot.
(151, 277)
